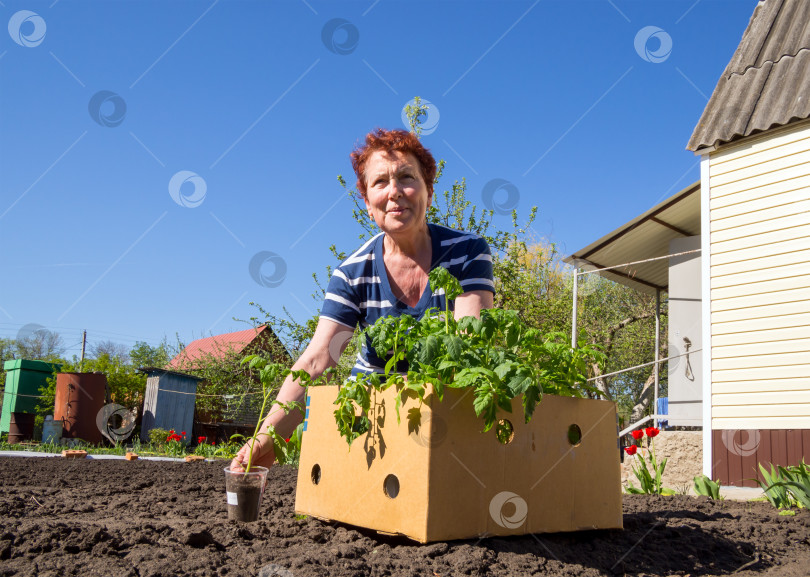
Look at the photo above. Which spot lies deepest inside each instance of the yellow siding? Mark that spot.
(763, 348)
(758, 204)
(739, 178)
(764, 386)
(760, 281)
(767, 226)
(757, 147)
(727, 193)
(765, 190)
(762, 373)
(756, 327)
(761, 410)
(781, 334)
(797, 295)
(762, 275)
(762, 398)
(754, 217)
(773, 359)
(765, 262)
(760, 287)
(769, 237)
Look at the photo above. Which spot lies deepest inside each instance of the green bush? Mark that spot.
(158, 436)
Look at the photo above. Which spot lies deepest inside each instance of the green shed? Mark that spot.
(23, 381)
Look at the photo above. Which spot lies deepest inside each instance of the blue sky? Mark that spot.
(248, 111)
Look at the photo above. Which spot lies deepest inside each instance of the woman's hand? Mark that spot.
(323, 351)
(262, 456)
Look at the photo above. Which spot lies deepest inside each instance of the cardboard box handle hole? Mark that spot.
(574, 435)
(391, 486)
(316, 474)
(504, 432)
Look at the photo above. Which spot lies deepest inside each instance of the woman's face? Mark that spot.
(396, 195)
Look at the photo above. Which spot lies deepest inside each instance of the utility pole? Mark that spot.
(84, 343)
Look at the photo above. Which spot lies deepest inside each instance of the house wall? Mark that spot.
(760, 282)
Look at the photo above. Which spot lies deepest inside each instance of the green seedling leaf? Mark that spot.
(454, 346)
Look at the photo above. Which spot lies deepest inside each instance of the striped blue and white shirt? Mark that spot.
(359, 291)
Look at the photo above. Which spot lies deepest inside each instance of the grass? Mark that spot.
(224, 451)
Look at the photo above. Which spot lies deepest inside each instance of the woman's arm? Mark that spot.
(469, 304)
(323, 352)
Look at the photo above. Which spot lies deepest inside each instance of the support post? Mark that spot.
(84, 344)
(657, 347)
(574, 311)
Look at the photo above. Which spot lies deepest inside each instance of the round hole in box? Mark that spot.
(391, 486)
(574, 435)
(316, 474)
(504, 431)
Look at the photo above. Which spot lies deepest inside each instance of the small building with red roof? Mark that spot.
(228, 400)
(218, 347)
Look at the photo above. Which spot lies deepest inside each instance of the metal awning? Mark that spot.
(646, 236)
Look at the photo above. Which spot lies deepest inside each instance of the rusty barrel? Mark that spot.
(79, 398)
(21, 427)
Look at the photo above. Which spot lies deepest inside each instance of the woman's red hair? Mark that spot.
(389, 141)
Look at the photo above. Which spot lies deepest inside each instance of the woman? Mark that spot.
(388, 275)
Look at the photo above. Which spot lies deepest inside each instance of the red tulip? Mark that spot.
(631, 450)
(637, 434)
(651, 431)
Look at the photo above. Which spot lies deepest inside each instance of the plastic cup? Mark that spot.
(244, 492)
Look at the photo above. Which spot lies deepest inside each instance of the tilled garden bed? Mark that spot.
(148, 519)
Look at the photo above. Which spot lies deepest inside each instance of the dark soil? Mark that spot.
(118, 518)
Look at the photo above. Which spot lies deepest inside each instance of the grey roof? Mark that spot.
(157, 371)
(646, 236)
(767, 82)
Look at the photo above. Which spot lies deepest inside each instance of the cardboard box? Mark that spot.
(443, 479)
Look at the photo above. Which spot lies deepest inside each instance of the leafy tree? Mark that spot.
(7, 348)
(145, 355)
(110, 349)
(622, 321)
(41, 345)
